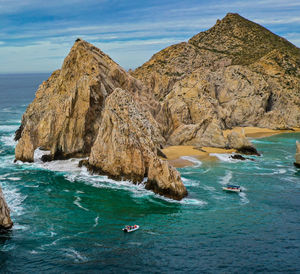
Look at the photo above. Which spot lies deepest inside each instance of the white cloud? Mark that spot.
(48, 55)
(277, 21)
(15, 6)
(129, 42)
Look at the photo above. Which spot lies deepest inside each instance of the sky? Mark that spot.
(36, 35)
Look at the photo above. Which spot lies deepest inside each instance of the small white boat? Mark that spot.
(130, 228)
(232, 188)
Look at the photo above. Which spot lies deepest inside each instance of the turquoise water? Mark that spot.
(69, 221)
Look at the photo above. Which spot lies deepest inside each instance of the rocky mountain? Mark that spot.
(235, 74)
(5, 221)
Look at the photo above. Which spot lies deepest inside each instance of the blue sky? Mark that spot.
(36, 35)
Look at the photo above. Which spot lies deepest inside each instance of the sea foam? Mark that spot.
(195, 161)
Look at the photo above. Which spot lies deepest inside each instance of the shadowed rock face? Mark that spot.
(297, 156)
(235, 74)
(5, 221)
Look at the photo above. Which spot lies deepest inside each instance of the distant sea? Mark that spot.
(66, 220)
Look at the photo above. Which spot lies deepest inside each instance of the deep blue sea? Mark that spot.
(66, 220)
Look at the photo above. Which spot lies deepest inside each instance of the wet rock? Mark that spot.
(239, 142)
(240, 157)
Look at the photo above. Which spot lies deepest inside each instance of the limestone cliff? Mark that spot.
(127, 145)
(297, 156)
(235, 74)
(5, 221)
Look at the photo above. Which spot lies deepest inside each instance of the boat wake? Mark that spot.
(227, 178)
(77, 203)
(244, 199)
(75, 255)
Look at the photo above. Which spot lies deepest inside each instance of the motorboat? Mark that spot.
(232, 188)
(130, 228)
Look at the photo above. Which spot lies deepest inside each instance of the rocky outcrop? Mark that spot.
(297, 156)
(92, 107)
(235, 74)
(65, 114)
(241, 143)
(127, 145)
(5, 221)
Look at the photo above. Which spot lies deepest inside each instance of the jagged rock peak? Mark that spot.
(5, 221)
(65, 115)
(243, 40)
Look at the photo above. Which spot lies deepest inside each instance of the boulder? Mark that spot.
(239, 142)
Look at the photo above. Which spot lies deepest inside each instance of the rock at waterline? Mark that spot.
(297, 156)
(5, 221)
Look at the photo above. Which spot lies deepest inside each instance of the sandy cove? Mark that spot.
(174, 153)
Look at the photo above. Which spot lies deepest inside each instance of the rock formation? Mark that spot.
(127, 147)
(5, 221)
(235, 74)
(297, 156)
(65, 114)
(93, 107)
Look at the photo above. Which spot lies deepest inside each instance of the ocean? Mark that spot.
(66, 220)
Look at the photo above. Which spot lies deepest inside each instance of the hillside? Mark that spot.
(237, 73)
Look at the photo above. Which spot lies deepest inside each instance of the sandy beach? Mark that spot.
(175, 153)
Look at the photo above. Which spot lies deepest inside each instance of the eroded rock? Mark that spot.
(127, 145)
(239, 142)
(66, 112)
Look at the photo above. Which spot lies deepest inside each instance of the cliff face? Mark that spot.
(5, 221)
(127, 147)
(235, 74)
(65, 114)
(92, 107)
